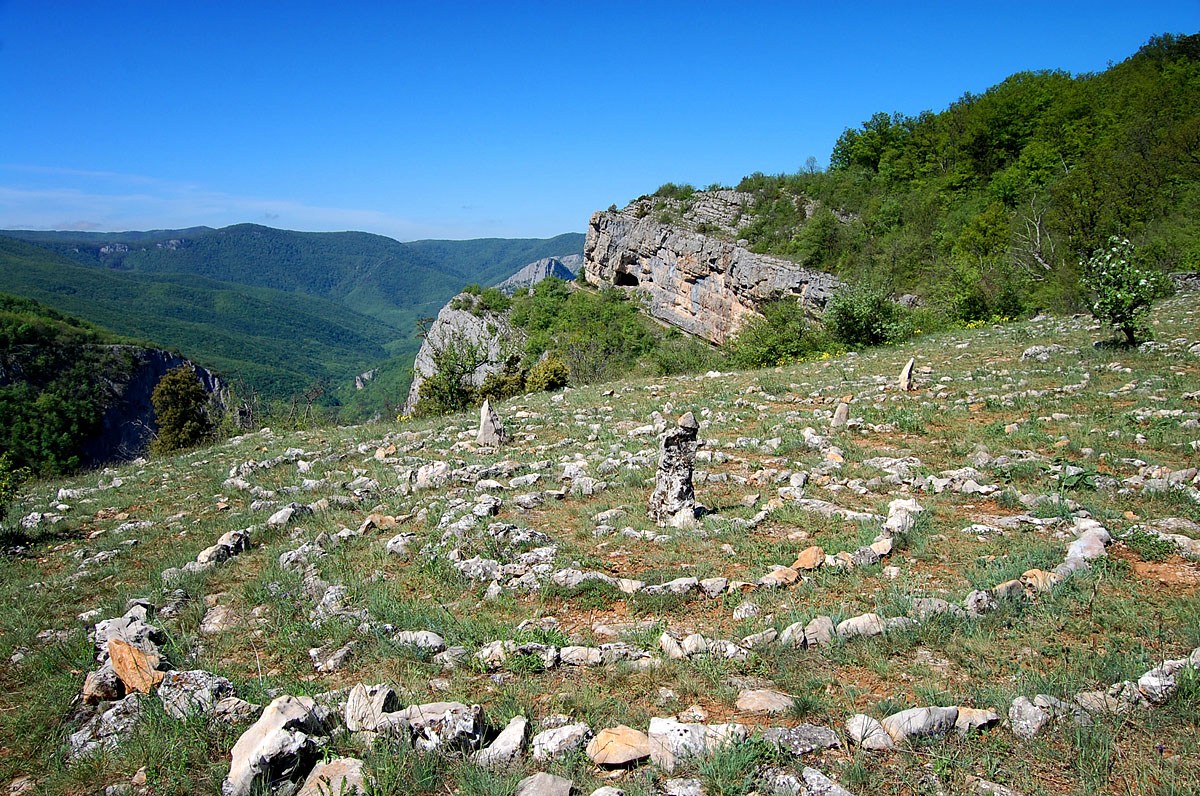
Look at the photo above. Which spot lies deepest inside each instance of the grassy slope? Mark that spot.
(1100, 627)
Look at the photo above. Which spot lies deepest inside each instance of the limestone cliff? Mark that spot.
(564, 267)
(483, 340)
(685, 256)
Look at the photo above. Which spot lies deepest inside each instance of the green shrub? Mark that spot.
(549, 374)
(782, 334)
(670, 190)
(180, 410)
(1123, 288)
(11, 479)
(864, 316)
(506, 383)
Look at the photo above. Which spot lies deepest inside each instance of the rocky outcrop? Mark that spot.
(685, 257)
(128, 424)
(483, 340)
(564, 267)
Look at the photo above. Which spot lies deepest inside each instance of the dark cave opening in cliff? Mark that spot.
(625, 279)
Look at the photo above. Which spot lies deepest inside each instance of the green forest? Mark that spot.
(987, 208)
(53, 375)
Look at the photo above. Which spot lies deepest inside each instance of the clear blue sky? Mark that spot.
(492, 119)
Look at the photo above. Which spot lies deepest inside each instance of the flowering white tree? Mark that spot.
(1123, 288)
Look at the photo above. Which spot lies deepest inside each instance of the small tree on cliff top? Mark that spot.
(181, 410)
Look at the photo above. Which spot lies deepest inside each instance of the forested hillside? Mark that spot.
(279, 313)
(987, 207)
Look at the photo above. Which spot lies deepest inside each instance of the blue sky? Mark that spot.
(465, 120)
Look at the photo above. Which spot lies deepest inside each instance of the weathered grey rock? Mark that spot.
(506, 748)
(491, 431)
(970, 719)
(905, 382)
(218, 619)
(194, 691)
(683, 787)
(463, 323)
(840, 415)
(821, 785)
(235, 710)
(543, 784)
(421, 639)
(673, 501)
(1026, 719)
(672, 741)
(802, 739)
(367, 704)
(820, 631)
(979, 602)
(276, 748)
(870, 624)
(707, 286)
(102, 685)
(764, 700)
(920, 722)
(444, 725)
(342, 776)
(106, 730)
(558, 741)
(868, 733)
(563, 267)
(983, 787)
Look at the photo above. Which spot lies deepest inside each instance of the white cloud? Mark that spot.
(107, 201)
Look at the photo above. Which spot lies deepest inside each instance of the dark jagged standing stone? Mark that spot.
(674, 499)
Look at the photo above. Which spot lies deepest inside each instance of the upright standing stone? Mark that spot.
(906, 375)
(674, 499)
(840, 415)
(491, 431)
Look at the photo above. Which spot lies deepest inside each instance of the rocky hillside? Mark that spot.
(982, 579)
(686, 256)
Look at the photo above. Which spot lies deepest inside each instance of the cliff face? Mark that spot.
(488, 337)
(564, 268)
(128, 423)
(684, 256)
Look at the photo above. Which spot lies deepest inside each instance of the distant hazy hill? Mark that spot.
(273, 309)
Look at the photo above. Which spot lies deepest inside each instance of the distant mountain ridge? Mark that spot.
(272, 309)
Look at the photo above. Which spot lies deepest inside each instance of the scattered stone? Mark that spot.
(673, 501)
(618, 746)
(278, 747)
(821, 785)
(192, 692)
(671, 741)
(218, 619)
(506, 749)
(342, 776)
(868, 733)
(105, 731)
(865, 625)
(982, 787)
(764, 700)
(802, 739)
(970, 719)
(543, 784)
(441, 725)
(1026, 719)
(560, 740)
(920, 722)
(102, 685)
(683, 787)
(366, 706)
(840, 415)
